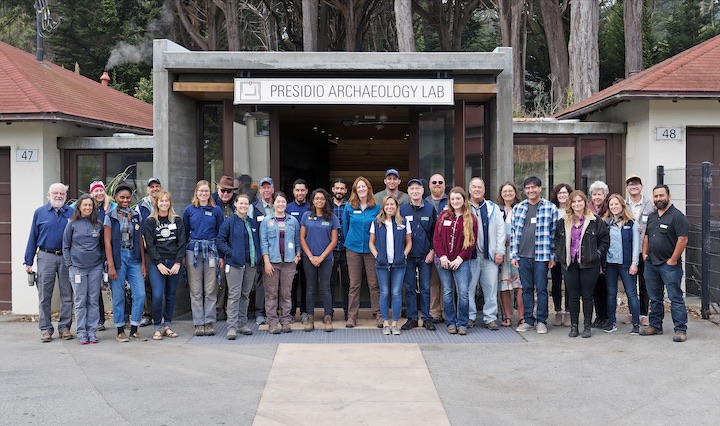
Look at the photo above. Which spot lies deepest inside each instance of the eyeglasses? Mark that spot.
(437, 182)
(319, 199)
(225, 191)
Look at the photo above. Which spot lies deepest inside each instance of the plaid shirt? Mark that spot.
(547, 217)
(338, 212)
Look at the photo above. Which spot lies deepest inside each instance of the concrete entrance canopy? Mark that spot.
(182, 78)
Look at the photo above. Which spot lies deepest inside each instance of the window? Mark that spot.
(86, 166)
(436, 137)
(475, 158)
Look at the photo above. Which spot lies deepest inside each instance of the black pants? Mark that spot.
(299, 285)
(644, 299)
(339, 276)
(601, 308)
(557, 296)
(580, 283)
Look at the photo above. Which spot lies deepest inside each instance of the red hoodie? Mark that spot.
(449, 237)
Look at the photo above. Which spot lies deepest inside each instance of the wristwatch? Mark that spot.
(636, 263)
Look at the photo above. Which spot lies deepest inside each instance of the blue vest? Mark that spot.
(399, 232)
(627, 242)
(117, 238)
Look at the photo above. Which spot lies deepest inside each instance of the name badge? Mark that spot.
(644, 218)
(663, 226)
(172, 227)
(425, 218)
(95, 234)
(357, 211)
(78, 279)
(325, 223)
(409, 218)
(291, 245)
(447, 223)
(294, 213)
(401, 226)
(260, 218)
(227, 268)
(626, 227)
(211, 262)
(208, 213)
(533, 220)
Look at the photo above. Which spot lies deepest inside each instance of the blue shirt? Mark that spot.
(202, 223)
(47, 230)
(421, 220)
(545, 222)
(319, 233)
(338, 212)
(297, 210)
(356, 227)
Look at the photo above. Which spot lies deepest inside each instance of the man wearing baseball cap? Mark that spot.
(392, 182)
(641, 208)
(224, 197)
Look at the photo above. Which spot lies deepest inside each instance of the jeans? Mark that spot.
(669, 276)
(533, 276)
(390, 281)
(461, 278)
(128, 270)
(557, 296)
(240, 283)
(486, 272)
(642, 288)
(318, 277)
(580, 283)
(163, 290)
(86, 286)
(50, 266)
(424, 272)
(203, 288)
(339, 276)
(612, 271)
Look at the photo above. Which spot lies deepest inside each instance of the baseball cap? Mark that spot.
(392, 172)
(633, 177)
(267, 179)
(414, 180)
(153, 180)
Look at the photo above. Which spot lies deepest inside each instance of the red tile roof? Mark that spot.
(694, 73)
(42, 90)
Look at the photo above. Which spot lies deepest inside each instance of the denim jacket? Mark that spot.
(270, 238)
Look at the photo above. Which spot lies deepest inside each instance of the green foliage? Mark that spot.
(611, 44)
(685, 26)
(144, 90)
(17, 24)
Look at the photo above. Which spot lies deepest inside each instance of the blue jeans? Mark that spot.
(485, 272)
(612, 271)
(163, 290)
(669, 276)
(533, 276)
(87, 293)
(129, 270)
(461, 277)
(424, 271)
(318, 277)
(390, 281)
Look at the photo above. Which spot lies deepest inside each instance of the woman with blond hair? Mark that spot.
(581, 240)
(202, 220)
(165, 240)
(360, 211)
(390, 243)
(623, 258)
(454, 242)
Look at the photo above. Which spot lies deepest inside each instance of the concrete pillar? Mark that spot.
(500, 131)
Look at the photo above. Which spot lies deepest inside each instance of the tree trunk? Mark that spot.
(583, 48)
(404, 26)
(310, 25)
(230, 8)
(503, 9)
(557, 50)
(516, 37)
(632, 19)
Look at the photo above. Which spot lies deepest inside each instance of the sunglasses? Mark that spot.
(437, 182)
(226, 191)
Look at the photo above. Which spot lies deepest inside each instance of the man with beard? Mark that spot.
(45, 238)
(296, 209)
(224, 198)
(665, 239)
(339, 275)
(438, 198)
(641, 208)
(392, 182)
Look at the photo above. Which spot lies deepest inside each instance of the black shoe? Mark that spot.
(609, 327)
(586, 331)
(429, 325)
(403, 313)
(409, 324)
(636, 330)
(438, 320)
(599, 323)
(573, 331)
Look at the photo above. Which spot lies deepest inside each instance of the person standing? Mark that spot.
(339, 275)
(598, 205)
(125, 254)
(641, 208)
(46, 239)
(507, 198)
(559, 196)
(490, 247)
(390, 243)
(238, 242)
(224, 197)
(392, 183)
(360, 211)
(280, 248)
(532, 248)
(259, 210)
(83, 255)
(144, 209)
(318, 237)
(420, 216)
(438, 198)
(164, 234)
(202, 220)
(454, 241)
(297, 208)
(103, 204)
(663, 245)
(581, 240)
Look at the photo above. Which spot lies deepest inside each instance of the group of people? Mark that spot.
(436, 250)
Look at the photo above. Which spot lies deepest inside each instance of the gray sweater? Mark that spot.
(83, 244)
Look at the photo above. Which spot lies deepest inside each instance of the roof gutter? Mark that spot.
(73, 119)
(627, 96)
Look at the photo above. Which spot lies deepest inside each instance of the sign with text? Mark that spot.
(668, 133)
(310, 91)
(26, 155)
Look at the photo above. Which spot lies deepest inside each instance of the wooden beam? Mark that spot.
(474, 89)
(195, 87)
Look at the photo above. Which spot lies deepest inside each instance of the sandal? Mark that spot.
(169, 333)
(157, 335)
(507, 322)
(521, 321)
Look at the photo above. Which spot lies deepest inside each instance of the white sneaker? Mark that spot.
(541, 328)
(524, 327)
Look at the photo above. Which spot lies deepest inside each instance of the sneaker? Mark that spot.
(46, 337)
(100, 327)
(260, 320)
(386, 330)
(310, 324)
(286, 328)
(144, 322)
(644, 320)
(327, 321)
(274, 329)
(462, 331)
(524, 327)
(66, 335)
(429, 325)
(122, 337)
(573, 331)
(558, 319)
(83, 340)
(199, 330)
(304, 318)
(650, 331)
(471, 323)
(244, 330)
(92, 338)
(541, 328)
(438, 320)
(609, 327)
(136, 336)
(587, 332)
(231, 334)
(409, 324)
(209, 330)
(598, 323)
(350, 323)
(395, 331)
(492, 325)
(680, 336)
(452, 329)
(635, 330)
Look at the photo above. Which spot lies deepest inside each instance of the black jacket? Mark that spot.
(593, 247)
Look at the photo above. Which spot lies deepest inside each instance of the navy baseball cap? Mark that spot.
(414, 180)
(392, 172)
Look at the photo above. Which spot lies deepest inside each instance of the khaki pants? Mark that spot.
(282, 277)
(356, 262)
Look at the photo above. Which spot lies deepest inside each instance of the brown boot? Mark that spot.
(328, 323)
(310, 324)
